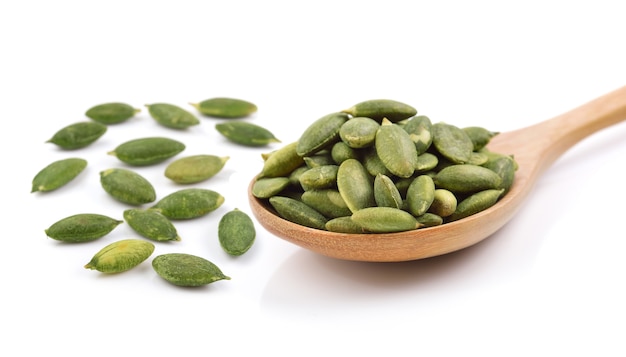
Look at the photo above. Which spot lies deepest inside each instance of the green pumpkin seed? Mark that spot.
(246, 134)
(420, 132)
(444, 203)
(319, 177)
(150, 223)
(187, 270)
(57, 174)
(505, 167)
(480, 136)
(420, 195)
(270, 186)
(475, 203)
(196, 168)
(429, 220)
(372, 162)
(478, 158)
(298, 212)
(294, 176)
(355, 185)
(228, 108)
(147, 151)
(343, 225)
(322, 133)
(386, 193)
(426, 162)
(236, 232)
(111, 113)
(385, 220)
(127, 186)
(328, 202)
(121, 256)
(341, 152)
(189, 203)
(78, 135)
(83, 227)
(172, 116)
(378, 109)
(396, 149)
(319, 159)
(452, 142)
(467, 179)
(359, 132)
(282, 161)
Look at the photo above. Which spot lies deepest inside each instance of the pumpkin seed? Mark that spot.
(396, 149)
(385, 220)
(420, 132)
(187, 270)
(196, 168)
(172, 116)
(359, 132)
(444, 203)
(343, 225)
(127, 186)
(378, 109)
(467, 178)
(111, 113)
(355, 185)
(57, 174)
(386, 193)
(269, 186)
(147, 151)
(78, 135)
(475, 203)
(82, 227)
(294, 176)
(452, 142)
(372, 162)
(236, 232)
(420, 195)
(322, 133)
(341, 152)
(480, 136)
(228, 108)
(298, 212)
(246, 134)
(150, 223)
(505, 167)
(189, 203)
(328, 202)
(282, 161)
(319, 159)
(121, 256)
(426, 162)
(429, 220)
(319, 177)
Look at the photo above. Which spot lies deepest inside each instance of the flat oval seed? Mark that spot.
(452, 142)
(344, 225)
(228, 108)
(505, 167)
(372, 162)
(420, 195)
(386, 193)
(83, 227)
(355, 185)
(319, 177)
(57, 174)
(172, 116)
(127, 186)
(328, 202)
(467, 178)
(151, 224)
(429, 220)
(385, 220)
(269, 186)
(147, 151)
(420, 132)
(359, 132)
(298, 212)
(246, 134)
(475, 203)
(196, 168)
(78, 135)
(282, 161)
(111, 113)
(322, 133)
(236, 232)
(187, 270)
(444, 203)
(378, 109)
(341, 152)
(396, 149)
(189, 203)
(319, 159)
(480, 136)
(121, 256)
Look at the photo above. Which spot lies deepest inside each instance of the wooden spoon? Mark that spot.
(534, 147)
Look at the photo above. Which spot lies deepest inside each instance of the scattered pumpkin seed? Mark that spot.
(236, 232)
(111, 113)
(78, 135)
(121, 256)
(57, 174)
(183, 269)
(228, 108)
(150, 223)
(321, 134)
(196, 168)
(378, 109)
(172, 116)
(127, 186)
(246, 134)
(82, 227)
(189, 203)
(147, 151)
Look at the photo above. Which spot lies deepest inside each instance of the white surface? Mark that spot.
(550, 283)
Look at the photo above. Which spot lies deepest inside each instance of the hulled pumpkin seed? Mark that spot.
(396, 149)
(127, 186)
(378, 109)
(444, 203)
(343, 225)
(420, 132)
(385, 220)
(328, 202)
(298, 212)
(452, 142)
(359, 132)
(319, 177)
(150, 223)
(236, 232)
(426, 162)
(78, 135)
(270, 186)
(355, 185)
(172, 116)
(57, 174)
(467, 178)
(147, 151)
(282, 161)
(505, 167)
(480, 136)
(83, 227)
(475, 203)
(196, 168)
(322, 133)
(386, 193)
(187, 270)
(228, 108)
(319, 159)
(420, 195)
(121, 256)
(111, 113)
(372, 162)
(189, 203)
(429, 220)
(246, 134)
(341, 152)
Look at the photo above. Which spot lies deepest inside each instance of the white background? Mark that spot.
(551, 282)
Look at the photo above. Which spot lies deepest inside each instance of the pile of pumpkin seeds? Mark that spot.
(378, 167)
(154, 224)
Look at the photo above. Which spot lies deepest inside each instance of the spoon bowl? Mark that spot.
(535, 148)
